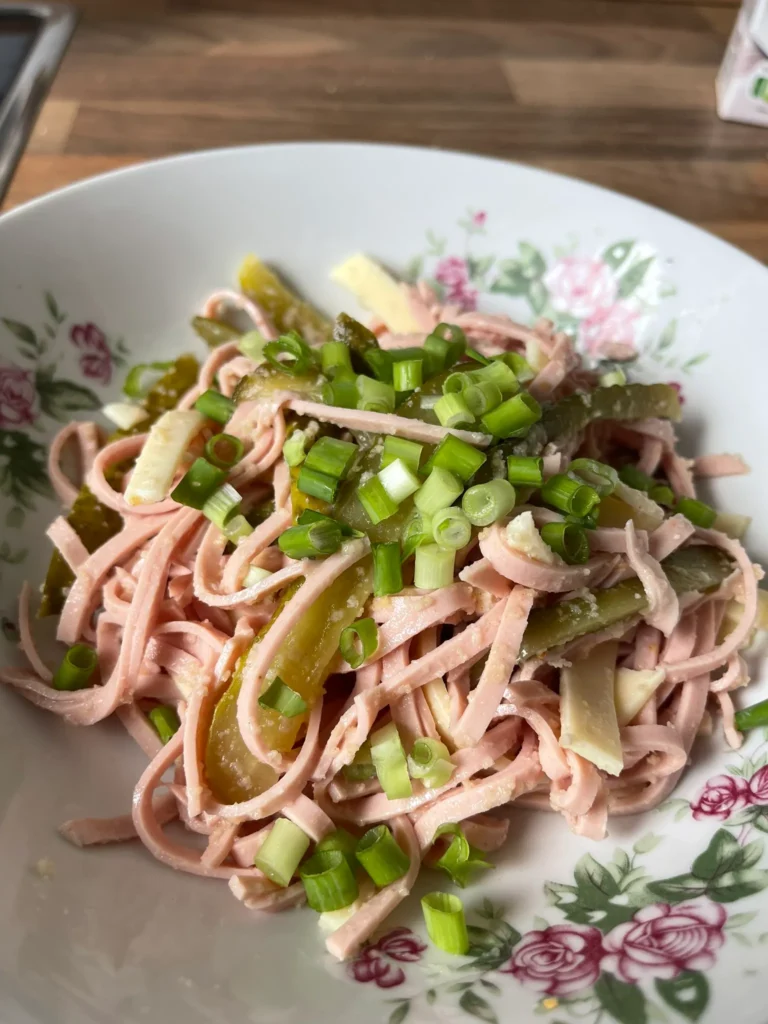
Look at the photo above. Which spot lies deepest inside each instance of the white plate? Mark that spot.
(107, 273)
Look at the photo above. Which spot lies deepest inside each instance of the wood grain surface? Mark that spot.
(618, 92)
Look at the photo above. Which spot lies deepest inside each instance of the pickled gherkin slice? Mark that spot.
(286, 311)
(214, 332)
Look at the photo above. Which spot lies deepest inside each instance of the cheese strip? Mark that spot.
(589, 726)
(633, 689)
(377, 292)
(165, 447)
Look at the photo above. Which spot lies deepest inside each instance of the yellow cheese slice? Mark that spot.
(633, 688)
(377, 292)
(588, 723)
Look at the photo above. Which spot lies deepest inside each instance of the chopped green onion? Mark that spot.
(484, 504)
(417, 531)
(634, 477)
(753, 717)
(198, 484)
(224, 450)
(439, 490)
(236, 529)
(662, 495)
(341, 392)
(252, 345)
(294, 448)
(433, 567)
(476, 356)
(497, 373)
(221, 505)
(401, 355)
(481, 398)
(281, 852)
(299, 355)
(408, 374)
(255, 575)
(401, 448)
(697, 512)
(374, 395)
(456, 383)
(453, 411)
(430, 761)
(597, 474)
(331, 456)
(586, 522)
(459, 858)
(380, 854)
(215, 406)
(142, 378)
(568, 495)
(613, 379)
(451, 528)
(76, 668)
(343, 842)
(525, 470)
(374, 498)
(457, 457)
(310, 515)
(398, 481)
(444, 346)
(310, 541)
(567, 539)
(334, 358)
(358, 642)
(387, 571)
(388, 758)
(279, 697)
(319, 485)
(361, 769)
(379, 363)
(446, 925)
(519, 365)
(165, 720)
(515, 415)
(328, 881)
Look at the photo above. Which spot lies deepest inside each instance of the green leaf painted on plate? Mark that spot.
(625, 1003)
(23, 470)
(667, 337)
(615, 255)
(722, 855)
(532, 262)
(740, 920)
(491, 986)
(631, 280)
(511, 279)
(595, 885)
(481, 940)
(60, 398)
(761, 820)
(413, 269)
(25, 334)
(14, 518)
(694, 361)
(678, 888)
(430, 995)
(478, 267)
(538, 296)
(647, 843)
(621, 860)
(735, 885)
(687, 994)
(476, 1006)
(400, 1012)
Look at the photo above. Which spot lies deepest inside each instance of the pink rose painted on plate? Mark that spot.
(559, 960)
(18, 397)
(758, 786)
(580, 285)
(96, 360)
(610, 332)
(374, 963)
(452, 272)
(721, 796)
(662, 941)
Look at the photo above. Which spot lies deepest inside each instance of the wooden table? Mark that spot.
(619, 92)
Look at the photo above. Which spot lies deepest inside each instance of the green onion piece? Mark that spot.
(446, 925)
(456, 383)
(484, 504)
(387, 571)
(358, 642)
(379, 363)
(319, 485)
(457, 457)
(453, 411)
(294, 448)
(377, 503)
(341, 392)
(444, 346)
(517, 414)
(224, 450)
(408, 374)
(430, 761)
(697, 512)
(344, 843)
(361, 769)
(662, 495)
(586, 522)
(398, 481)
(439, 490)
(252, 345)
(433, 567)
(76, 668)
(221, 505)
(310, 515)
(313, 540)
(198, 484)
(476, 356)
(519, 365)
(417, 531)
(165, 720)
(215, 406)
(459, 859)
(254, 575)
(401, 448)
(328, 881)
(400, 355)
(380, 854)
(142, 378)
(525, 470)
(388, 758)
(290, 354)
(374, 395)
(498, 373)
(279, 697)
(568, 495)
(331, 456)
(237, 528)
(451, 528)
(598, 475)
(634, 477)
(568, 540)
(280, 853)
(753, 717)
(481, 398)
(613, 379)
(334, 358)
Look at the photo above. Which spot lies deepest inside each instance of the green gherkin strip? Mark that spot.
(214, 332)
